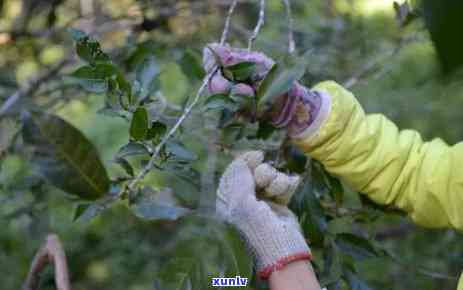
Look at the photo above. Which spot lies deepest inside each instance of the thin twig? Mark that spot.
(158, 148)
(370, 65)
(51, 252)
(291, 43)
(32, 86)
(259, 24)
(227, 22)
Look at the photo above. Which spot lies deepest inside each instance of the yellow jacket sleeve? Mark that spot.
(370, 154)
(425, 179)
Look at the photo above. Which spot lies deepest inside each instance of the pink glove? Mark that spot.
(296, 110)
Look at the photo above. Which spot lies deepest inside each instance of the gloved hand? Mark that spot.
(270, 229)
(299, 110)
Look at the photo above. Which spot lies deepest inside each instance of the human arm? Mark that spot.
(270, 229)
(298, 275)
(390, 166)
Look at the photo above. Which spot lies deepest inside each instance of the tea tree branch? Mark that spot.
(291, 43)
(259, 24)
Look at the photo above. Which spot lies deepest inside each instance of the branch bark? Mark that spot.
(51, 252)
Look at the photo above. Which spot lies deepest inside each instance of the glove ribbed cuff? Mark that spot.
(280, 264)
(273, 241)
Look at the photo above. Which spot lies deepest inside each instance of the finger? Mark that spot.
(252, 158)
(277, 185)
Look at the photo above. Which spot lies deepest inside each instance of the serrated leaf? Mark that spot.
(240, 72)
(139, 125)
(65, 156)
(355, 246)
(180, 151)
(132, 149)
(191, 65)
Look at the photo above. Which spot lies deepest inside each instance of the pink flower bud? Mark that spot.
(242, 90)
(219, 85)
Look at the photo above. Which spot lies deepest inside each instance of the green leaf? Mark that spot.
(332, 270)
(204, 249)
(280, 80)
(219, 101)
(180, 273)
(157, 205)
(157, 130)
(132, 149)
(265, 130)
(65, 156)
(89, 50)
(355, 246)
(147, 74)
(240, 72)
(180, 151)
(125, 165)
(308, 208)
(191, 65)
(94, 78)
(139, 124)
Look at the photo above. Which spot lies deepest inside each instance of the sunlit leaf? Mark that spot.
(65, 156)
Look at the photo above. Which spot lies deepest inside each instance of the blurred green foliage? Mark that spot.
(392, 69)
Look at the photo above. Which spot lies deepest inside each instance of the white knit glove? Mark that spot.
(270, 229)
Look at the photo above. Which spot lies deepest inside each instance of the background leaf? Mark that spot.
(65, 156)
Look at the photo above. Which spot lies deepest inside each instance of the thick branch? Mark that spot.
(51, 252)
